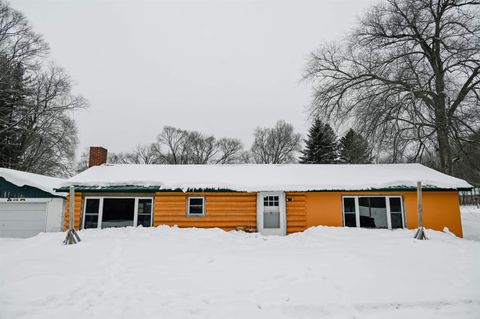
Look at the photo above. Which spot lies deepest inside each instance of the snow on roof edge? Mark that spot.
(45, 183)
(248, 177)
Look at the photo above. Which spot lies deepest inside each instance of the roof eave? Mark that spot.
(139, 189)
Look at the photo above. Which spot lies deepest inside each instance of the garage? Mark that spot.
(22, 219)
(29, 204)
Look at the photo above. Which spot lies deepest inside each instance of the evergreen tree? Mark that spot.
(12, 105)
(320, 145)
(354, 149)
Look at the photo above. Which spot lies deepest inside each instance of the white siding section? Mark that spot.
(55, 209)
(28, 218)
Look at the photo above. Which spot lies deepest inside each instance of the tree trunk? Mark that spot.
(442, 126)
(444, 150)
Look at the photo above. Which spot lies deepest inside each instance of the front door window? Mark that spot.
(271, 212)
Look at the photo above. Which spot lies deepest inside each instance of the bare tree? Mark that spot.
(276, 145)
(143, 154)
(118, 158)
(467, 163)
(229, 151)
(146, 154)
(201, 148)
(45, 135)
(37, 132)
(18, 42)
(176, 142)
(409, 75)
(177, 146)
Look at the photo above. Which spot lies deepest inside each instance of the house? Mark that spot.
(28, 204)
(271, 199)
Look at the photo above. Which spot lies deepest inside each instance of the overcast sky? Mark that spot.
(219, 67)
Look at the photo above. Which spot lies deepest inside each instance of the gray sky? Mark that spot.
(219, 67)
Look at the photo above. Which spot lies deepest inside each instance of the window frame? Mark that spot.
(387, 205)
(188, 206)
(100, 209)
(137, 199)
(99, 213)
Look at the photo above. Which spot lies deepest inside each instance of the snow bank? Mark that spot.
(254, 178)
(167, 272)
(471, 222)
(19, 178)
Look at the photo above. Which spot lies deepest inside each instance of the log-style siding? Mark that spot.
(296, 212)
(78, 209)
(232, 210)
(223, 210)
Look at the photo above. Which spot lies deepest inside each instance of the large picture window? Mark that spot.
(118, 212)
(104, 212)
(373, 212)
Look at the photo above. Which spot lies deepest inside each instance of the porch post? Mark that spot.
(72, 236)
(420, 234)
(419, 204)
(72, 207)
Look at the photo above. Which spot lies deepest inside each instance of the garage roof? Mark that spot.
(45, 183)
(267, 177)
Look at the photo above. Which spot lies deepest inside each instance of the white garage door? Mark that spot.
(22, 220)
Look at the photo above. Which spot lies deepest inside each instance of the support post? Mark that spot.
(72, 207)
(420, 234)
(72, 236)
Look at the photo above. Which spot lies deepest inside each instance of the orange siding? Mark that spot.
(296, 212)
(323, 209)
(440, 209)
(78, 209)
(223, 210)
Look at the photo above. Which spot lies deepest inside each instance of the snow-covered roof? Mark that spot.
(254, 177)
(45, 183)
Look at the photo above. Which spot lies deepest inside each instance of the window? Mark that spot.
(349, 212)
(118, 212)
(196, 206)
(271, 201)
(103, 212)
(373, 211)
(144, 212)
(92, 209)
(396, 214)
(271, 212)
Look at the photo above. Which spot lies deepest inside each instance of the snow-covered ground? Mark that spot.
(192, 273)
(471, 222)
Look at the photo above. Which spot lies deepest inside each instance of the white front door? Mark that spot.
(271, 213)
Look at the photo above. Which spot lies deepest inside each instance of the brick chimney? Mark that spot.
(97, 156)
